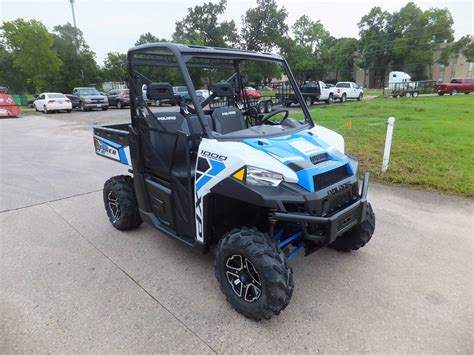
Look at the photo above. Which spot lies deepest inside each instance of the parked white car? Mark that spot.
(52, 101)
(346, 90)
(203, 94)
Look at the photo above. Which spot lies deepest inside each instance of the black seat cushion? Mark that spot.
(228, 119)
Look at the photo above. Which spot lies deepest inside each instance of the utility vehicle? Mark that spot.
(254, 188)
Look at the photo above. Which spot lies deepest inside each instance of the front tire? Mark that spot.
(121, 203)
(359, 98)
(343, 98)
(119, 105)
(358, 236)
(253, 273)
(454, 92)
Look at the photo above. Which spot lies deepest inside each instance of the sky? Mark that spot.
(115, 25)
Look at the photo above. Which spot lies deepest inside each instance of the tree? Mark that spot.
(10, 77)
(31, 46)
(417, 32)
(464, 45)
(80, 67)
(115, 65)
(343, 58)
(309, 53)
(264, 27)
(375, 44)
(148, 38)
(201, 26)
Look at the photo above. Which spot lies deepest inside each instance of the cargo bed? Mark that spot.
(111, 142)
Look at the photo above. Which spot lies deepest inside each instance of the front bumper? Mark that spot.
(96, 105)
(333, 225)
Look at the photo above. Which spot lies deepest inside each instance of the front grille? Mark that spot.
(330, 177)
(338, 201)
(315, 159)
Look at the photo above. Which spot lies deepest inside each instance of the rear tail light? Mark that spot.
(67, 100)
(51, 101)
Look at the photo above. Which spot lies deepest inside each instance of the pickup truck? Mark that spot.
(89, 98)
(348, 90)
(312, 91)
(455, 87)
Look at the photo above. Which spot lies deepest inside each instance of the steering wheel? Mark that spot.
(271, 114)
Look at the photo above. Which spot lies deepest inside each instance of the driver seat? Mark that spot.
(228, 120)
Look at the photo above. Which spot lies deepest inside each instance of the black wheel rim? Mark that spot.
(243, 278)
(114, 205)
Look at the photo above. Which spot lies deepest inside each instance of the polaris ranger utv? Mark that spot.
(255, 188)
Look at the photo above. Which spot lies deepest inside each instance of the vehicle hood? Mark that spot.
(305, 153)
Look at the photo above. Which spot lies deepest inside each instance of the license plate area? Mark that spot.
(346, 221)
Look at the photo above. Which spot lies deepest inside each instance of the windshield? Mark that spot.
(232, 107)
(88, 92)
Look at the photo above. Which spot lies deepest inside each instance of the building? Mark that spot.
(458, 67)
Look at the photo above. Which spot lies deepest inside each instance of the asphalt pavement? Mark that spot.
(70, 282)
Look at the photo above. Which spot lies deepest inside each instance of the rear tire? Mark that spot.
(253, 273)
(415, 94)
(268, 106)
(45, 109)
(358, 236)
(69, 111)
(330, 100)
(440, 93)
(119, 105)
(308, 101)
(261, 107)
(105, 108)
(407, 94)
(121, 203)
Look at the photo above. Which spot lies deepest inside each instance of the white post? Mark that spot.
(388, 143)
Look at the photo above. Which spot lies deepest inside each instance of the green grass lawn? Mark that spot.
(433, 141)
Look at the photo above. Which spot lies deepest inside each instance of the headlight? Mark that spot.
(261, 177)
(88, 101)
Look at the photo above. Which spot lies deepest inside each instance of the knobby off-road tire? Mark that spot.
(266, 268)
(121, 203)
(358, 236)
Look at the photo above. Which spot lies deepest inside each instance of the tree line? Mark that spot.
(33, 58)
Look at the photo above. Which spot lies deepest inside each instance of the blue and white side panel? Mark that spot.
(112, 150)
(219, 160)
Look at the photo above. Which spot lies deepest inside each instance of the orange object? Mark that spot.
(349, 124)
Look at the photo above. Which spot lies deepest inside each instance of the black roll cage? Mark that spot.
(182, 54)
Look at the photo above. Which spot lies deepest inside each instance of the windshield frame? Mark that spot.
(180, 56)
